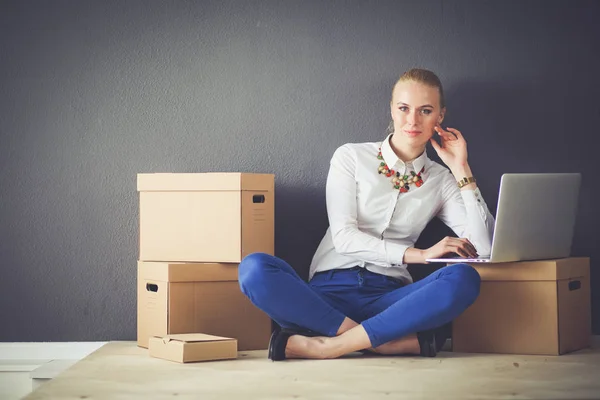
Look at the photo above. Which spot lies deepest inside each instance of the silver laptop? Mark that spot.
(535, 218)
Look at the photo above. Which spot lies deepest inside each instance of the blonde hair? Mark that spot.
(424, 77)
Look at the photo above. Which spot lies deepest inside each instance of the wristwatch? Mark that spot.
(465, 181)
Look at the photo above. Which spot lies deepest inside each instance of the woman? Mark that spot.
(380, 196)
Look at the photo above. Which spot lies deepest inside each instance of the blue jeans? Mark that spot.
(385, 307)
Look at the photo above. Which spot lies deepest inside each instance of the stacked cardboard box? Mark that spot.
(195, 228)
(529, 307)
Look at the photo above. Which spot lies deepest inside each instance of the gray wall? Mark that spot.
(94, 92)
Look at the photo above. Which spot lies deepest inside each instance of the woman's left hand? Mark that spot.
(453, 148)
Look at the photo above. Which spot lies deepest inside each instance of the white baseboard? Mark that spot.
(21, 365)
(47, 350)
(51, 369)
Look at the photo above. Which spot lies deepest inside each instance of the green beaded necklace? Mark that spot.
(401, 182)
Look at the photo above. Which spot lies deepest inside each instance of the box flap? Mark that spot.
(208, 181)
(192, 338)
(188, 272)
(541, 270)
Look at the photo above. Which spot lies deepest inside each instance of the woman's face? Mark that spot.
(415, 112)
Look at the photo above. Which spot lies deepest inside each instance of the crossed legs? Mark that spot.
(392, 318)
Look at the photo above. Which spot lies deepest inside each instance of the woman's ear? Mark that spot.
(442, 115)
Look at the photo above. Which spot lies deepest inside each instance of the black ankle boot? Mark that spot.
(427, 343)
(279, 339)
(442, 334)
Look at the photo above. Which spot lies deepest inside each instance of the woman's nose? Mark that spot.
(412, 118)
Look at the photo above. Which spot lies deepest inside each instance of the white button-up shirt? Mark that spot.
(371, 224)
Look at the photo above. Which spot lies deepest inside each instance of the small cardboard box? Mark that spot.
(531, 307)
(178, 298)
(192, 347)
(205, 217)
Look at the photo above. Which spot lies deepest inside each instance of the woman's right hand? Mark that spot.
(451, 245)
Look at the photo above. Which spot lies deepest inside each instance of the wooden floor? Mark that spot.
(121, 370)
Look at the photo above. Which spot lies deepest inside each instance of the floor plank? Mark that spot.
(121, 370)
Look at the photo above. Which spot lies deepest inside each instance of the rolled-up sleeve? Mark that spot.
(341, 199)
(467, 214)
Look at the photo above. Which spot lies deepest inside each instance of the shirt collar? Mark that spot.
(391, 158)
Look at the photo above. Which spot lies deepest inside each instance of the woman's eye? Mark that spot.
(403, 108)
(426, 111)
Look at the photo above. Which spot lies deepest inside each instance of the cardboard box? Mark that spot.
(192, 347)
(178, 298)
(205, 217)
(533, 307)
